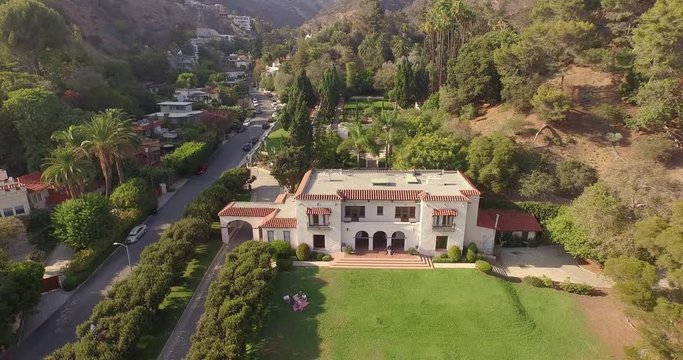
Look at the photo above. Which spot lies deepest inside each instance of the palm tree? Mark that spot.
(390, 130)
(109, 137)
(67, 167)
(359, 140)
(73, 135)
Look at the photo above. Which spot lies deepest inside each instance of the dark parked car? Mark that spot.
(202, 169)
(246, 147)
(265, 125)
(242, 129)
(254, 139)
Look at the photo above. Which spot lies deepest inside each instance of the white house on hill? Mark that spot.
(175, 112)
(429, 210)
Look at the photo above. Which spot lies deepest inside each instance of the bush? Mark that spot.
(576, 288)
(539, 282)
(327, 258)
(81, 260)
(281, 248)
(303, 251)
(186, 159)
(134, 194)
(454, 253)
(234, 179)
(472, 247)
(446, 259)
(348, 249)
(471, 256)
(319, 256)
(483, 266)
(284, 264)
(412, 251)
(78, 223)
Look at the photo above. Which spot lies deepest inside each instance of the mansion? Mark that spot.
(430, 210)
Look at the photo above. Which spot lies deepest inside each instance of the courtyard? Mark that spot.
(435, 314)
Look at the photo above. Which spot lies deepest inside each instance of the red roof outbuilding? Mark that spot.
(508, 220)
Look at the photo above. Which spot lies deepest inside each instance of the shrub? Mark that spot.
(471, 256)
(576, 288)
(348, 249)
(303, 251)
(327, 258)
(281, 248)
(454, 253)
(472, 247)
(539, 282)
(442, 260)
(134, 194)
(319, 256)
(483, 266)
(186, 159)
(81, 260)
(412, 251)
(284, 264)
(313, 255)
(234, 179)
(80, 222)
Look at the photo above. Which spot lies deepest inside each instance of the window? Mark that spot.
(354, 212)
(318, 220)
(271, 235)
(405, 213)
(441, 242)
(286, 236)
(7, 212)
(318, 241)
(380, 210)
(443, 220)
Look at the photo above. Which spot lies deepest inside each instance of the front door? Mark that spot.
(379, 241)
(362, 244)
(398, 244)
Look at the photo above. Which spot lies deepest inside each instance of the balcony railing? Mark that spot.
(318, 226)
(443, 227)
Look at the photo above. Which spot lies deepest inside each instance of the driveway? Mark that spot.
(551, 261)
(60, 328)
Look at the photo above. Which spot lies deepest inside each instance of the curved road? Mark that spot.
(60, 328)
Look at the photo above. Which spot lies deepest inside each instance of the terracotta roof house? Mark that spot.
(517, 224)
(429, 210)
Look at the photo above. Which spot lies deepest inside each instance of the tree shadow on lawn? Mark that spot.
(289, 334)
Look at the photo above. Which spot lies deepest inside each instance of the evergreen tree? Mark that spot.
(303, 83)
(301, 129)
(330, 88)
(404, 90)
(351, 76)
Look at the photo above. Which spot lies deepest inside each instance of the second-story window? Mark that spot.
(443, 220)
(354, 212)
(405, 213)
(318, 220)
(380, 210)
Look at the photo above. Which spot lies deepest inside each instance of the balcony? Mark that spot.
(443, 227)
(319, 226)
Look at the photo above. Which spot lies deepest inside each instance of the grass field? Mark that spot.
(154, 338)
(408, 314)
(275, 139)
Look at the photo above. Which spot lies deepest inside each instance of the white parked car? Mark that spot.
(136, 233)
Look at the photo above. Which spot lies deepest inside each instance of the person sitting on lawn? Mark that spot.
(389, 250)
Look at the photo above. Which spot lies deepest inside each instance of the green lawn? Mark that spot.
(153, 339)
(275, 139)
(414, 314)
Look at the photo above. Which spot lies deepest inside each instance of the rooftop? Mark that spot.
(33, 181)
(410, 185)
(509, 220)
(175, 103)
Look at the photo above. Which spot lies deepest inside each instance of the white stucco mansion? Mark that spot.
(430, 210)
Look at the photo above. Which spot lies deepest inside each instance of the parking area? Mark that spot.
(551, 261)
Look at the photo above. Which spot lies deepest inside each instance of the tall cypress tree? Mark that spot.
(301, 129)
(404, 89)
(303, 84)
(330, 88)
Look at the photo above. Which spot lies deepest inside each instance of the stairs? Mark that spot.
(376, 261)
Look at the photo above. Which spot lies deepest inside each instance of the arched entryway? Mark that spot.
(398, 241)
(239, 231)
(379, 241)
(362, 241)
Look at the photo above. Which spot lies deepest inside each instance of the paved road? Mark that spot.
(178, 344)
(60, 328)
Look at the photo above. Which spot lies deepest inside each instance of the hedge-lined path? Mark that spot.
(60, 328)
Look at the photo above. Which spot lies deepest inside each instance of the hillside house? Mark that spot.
(149, 153)
(242, 22)
(180, 61)
(197, 95)
(175, 112)
(13, 197)
(242, 62)
(429, 210)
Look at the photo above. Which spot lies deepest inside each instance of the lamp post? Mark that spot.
(127, 253)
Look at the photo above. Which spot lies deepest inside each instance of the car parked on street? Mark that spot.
(254, 139)
(202, 169)
(135, 234)
(246, 147)
(265, 125)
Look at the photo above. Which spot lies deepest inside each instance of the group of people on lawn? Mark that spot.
(298, 301)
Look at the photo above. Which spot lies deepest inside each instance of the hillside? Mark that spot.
(346, 9)
(280, 12)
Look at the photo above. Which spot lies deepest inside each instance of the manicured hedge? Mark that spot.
(211, 200)
(115, 324)
(303, 252)
(134, 194)
(235, 305)
(483, 266)
(186, 159)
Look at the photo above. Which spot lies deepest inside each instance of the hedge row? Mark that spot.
(542, 211)
(235, 305)
(186, 159)
(211, 200)
(115, 325)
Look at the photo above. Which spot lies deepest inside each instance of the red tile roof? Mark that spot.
(473, 192)
(231, 210)
(304, 181)
(280, 199)
(448, 212)
(32, 181)
(470, 192)
(428, 197)
(509, 220)
(57, 197)
(318, 211)
(8, 187)
(376, 194)
(287, 223)
(323, 197)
